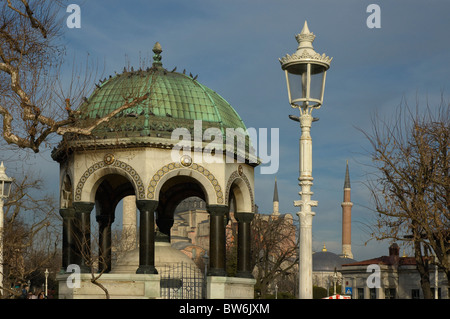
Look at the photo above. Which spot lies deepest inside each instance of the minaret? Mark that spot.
(347, 218)
(275, 200)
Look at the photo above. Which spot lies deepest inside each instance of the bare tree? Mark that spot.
(30, 241)
(274, 250)
(90, 256)
(410, 186)
(32, 104)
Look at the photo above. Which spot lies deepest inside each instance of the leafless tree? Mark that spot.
(30, 242)
(88, 249)
(33, 106)
(410, 186)
(274, 250)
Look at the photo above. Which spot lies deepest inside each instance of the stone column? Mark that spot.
(104, 244)
(244, 245)
(217, 239)
(146, 236)
(129, 222)
(69, 245)
(83, 214)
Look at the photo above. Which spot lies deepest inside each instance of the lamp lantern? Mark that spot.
(5, 183)
(305, 72)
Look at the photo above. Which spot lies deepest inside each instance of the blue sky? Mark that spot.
(234, 47)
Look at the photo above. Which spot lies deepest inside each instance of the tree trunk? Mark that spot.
(424, 271)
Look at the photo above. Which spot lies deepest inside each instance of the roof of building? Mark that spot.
(384, 260)
(393, 259)
(175, 100)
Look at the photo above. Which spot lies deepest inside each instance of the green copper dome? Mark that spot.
(174, 100)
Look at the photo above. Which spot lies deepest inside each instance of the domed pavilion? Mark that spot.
(169, 138)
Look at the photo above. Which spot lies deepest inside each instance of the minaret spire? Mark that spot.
(347, 178)
(275, 192)
(347, 217)
(275, 199)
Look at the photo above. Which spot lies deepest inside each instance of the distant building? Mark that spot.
(398, 278)
(191, 223)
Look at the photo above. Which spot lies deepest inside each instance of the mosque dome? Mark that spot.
(174, 100)
(326, 261)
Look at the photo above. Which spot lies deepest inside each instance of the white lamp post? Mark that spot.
(335, 279)
(305, 76)
(46, 282)
(5, 188)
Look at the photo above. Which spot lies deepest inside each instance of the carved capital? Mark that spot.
(244, 217)
(217, 210)
(67, 213)
(146, 205)
(83, 207)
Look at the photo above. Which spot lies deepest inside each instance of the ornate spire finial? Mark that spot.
(305, 52)
(157, 57)
(305, 38)
(305, 29)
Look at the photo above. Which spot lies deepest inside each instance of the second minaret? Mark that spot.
(347, 218)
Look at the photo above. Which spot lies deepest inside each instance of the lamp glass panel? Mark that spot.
(6, 188)
(297, 78)
(317, 74)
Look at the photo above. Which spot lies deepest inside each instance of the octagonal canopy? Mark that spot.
(175, 100)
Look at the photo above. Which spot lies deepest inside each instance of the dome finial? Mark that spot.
(157, 57)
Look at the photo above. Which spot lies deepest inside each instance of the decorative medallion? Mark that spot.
(186, 160)
(109, 159)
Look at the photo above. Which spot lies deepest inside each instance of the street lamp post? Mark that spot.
(5, 188)
(335, 279)
(305, 76)
(276, 291)
(46, 282)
